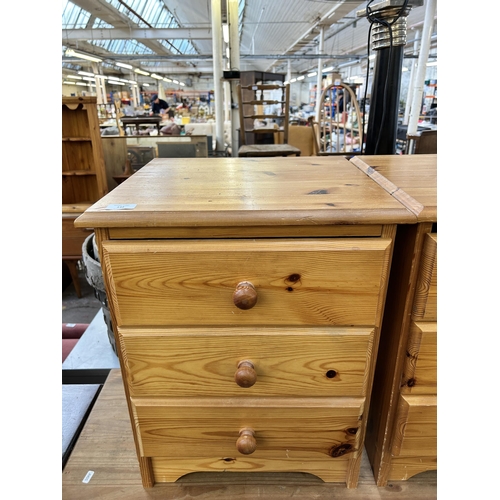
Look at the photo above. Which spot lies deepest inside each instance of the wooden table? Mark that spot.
(142, 120)
(106, 447)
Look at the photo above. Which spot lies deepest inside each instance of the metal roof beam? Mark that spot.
(137, 34)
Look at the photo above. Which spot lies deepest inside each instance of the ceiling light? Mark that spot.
(326, 70)
(225, 32)
(158, 77)
(74, 77)
(167, 79)
(372, 57)
(81, 83)
(90, 79)
(314, 73)
(123, 65)
(301, 77)
(293, 80)
(175, 81)
(181, 84)
(115, 82)
(145, 84)
(71, 52)
(85, 73)
(145, 73)
(433, 63)
(113, 78)
(69, 83)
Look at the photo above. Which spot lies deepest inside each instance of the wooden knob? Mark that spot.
(245, 295)
(246, 443)
(245, 375)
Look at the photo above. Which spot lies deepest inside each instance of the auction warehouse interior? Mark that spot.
(249, 249)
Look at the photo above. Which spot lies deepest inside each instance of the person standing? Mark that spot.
(157, 105)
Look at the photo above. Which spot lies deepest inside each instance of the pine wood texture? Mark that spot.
(407, 361)
(238, 192)
(301, 281)
(314, 270)
(106, 446)
(290, 361)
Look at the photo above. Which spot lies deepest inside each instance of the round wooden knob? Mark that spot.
(246, 443)
(245, 295)
(245, 375)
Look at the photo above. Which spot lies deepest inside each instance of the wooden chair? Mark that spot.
(424, 142)
(262, 112)
(338, 133)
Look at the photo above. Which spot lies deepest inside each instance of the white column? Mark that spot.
(430, 11)
(319, 83)
(100, 84)
(217, 64)
(409, 97)
(234, 51)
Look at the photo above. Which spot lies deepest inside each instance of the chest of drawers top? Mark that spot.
(306, 192)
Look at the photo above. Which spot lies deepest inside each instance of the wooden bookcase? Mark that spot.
(83, 173)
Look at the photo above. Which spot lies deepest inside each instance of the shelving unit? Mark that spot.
(83, 173)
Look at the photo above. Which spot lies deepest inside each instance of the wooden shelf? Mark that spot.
(78, 172)
(77, 139)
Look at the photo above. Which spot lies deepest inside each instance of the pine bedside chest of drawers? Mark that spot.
(401, 436)
(247, 297)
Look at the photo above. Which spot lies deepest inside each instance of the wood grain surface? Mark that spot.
(298, 281)
(106, 447)
(288, 361)
(205, 192)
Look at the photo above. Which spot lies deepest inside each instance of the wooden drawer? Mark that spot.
(420, 369)
(284, 427)
(416, 428)
(298, 281)
(315, 361)
(425, 301)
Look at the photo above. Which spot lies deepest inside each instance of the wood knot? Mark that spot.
(341, 449)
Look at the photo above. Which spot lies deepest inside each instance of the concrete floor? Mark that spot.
(78, 310)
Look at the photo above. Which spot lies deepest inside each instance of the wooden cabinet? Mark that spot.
(83, 173)
(248, 298)
(402, 428)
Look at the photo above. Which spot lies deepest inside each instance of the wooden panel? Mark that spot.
(244, 232)
(299, 282)
(425, 303)
(201, 192)
(329, 470)
(72, 237)
(287, 361)
(403, 468)
(416, 427)
(115, 157)
(299, 428)
(420, 370)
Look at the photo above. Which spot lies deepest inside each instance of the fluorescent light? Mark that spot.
(71, 52)
(90, 79)
(181, 84)
(225, 32)
(326, 70)
(286, 83)
(167, 79)
(113, 78)
(293, 80)
(74, 77)
(433, 63)
(133, 82)
(158, 77)
(81, 83)
(175, 81)
(314, 73)
(115, 82)
(301, 77)
(145, 84)
(145, 73)
(69, 83)
(85, 73)
(372, 57)
(123, 65)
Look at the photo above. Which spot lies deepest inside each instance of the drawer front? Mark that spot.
(425, 302)
(420, 370)
(297, 282)
(292, 361)
(208, 427)
(416, 427)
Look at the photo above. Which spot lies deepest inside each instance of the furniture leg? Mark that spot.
(72, 266)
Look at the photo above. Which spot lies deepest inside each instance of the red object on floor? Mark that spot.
(71, 333)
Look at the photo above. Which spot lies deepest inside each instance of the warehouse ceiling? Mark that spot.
(173, 38)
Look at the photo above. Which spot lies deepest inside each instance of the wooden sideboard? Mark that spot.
(248, 297)
(402, 427)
